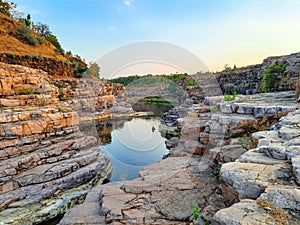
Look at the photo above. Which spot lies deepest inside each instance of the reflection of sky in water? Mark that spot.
(137, 144)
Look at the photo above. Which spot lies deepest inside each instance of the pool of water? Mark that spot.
(134, 145)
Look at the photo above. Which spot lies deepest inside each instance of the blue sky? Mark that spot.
(219, 32)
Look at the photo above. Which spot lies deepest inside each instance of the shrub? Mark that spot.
(61, 96)
(214, 109)
(59, 84)
(41, 40)
(27, 36)
(190, 83)
(196, 212)
(218, 170)
(26, 91)
(38, 57)
(63, 110)
(228, 98)
(53, 40)
(271, 77)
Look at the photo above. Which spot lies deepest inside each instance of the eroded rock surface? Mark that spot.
(269, 175)
(46, 163)
(164, 194)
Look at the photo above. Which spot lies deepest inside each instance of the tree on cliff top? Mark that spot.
(92, 71)
(7, 7)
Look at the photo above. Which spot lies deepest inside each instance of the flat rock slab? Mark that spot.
(164, 193)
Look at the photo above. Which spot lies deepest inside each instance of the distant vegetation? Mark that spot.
(160, 101)
(7, 8)
(148, 79)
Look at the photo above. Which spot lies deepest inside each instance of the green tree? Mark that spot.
(27, 21)
(7, 7)
(93, 70)
(42, 29)
(53, 39)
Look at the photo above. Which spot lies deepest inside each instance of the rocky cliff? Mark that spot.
(47, 164)
(249, 79)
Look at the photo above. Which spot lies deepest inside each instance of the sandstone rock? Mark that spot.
(46, 164)
(194, 147)
(243, 213)
(6, 84)
(11, 102)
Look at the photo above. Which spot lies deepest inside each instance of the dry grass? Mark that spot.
(280, 215)
(10, 44)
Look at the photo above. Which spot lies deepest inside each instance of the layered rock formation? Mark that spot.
(249, 79)
(265, 180)
(47, 164)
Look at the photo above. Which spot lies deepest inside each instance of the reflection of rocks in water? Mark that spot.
(104, 129)
(101, 129)
(157, 109)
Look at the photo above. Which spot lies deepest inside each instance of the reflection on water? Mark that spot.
(134, 145)
(102, 129)
(157, 109)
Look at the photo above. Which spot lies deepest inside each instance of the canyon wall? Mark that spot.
(47, 163)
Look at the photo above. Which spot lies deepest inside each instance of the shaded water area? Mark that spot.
(157, 108)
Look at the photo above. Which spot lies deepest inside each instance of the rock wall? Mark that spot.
(46, 163)
(248, 80)
(70, 68)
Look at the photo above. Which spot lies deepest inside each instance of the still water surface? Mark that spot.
(134, 145)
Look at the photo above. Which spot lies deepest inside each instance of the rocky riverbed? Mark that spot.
(215, 163)
(239, 156)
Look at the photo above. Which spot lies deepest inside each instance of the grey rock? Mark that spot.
(244, 213)
(296, 168)
(287, 198)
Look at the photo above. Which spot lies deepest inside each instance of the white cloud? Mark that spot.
(111, 28)
(24, 9)
(128, 2)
